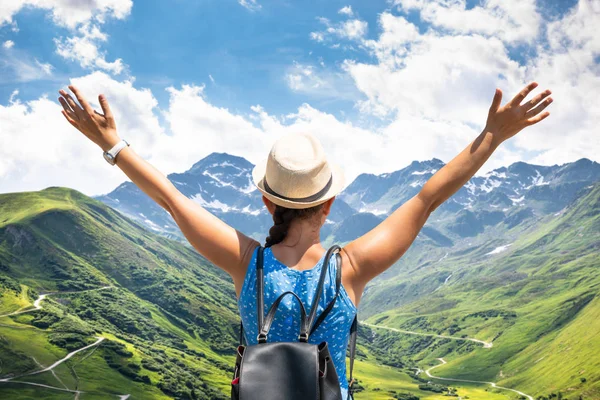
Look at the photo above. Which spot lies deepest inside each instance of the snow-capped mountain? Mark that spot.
(222, 184)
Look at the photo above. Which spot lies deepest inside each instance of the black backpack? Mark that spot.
(290, 370)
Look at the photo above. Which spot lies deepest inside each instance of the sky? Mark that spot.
(381, 83)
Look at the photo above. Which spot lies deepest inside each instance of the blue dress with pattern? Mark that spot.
(278, 278)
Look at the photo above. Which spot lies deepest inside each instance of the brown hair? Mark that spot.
(283, 217)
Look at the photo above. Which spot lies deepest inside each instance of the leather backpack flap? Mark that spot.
(280, 370)
(329, 384)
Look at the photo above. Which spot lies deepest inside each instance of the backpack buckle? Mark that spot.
(262, 338)
(303, 337)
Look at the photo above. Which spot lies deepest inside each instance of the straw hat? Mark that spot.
(296, 174)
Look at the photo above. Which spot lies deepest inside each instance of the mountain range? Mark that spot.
(222, 184)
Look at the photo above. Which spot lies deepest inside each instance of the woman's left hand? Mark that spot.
(506, 121)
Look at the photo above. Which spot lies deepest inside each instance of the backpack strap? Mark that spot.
(260, 302)
(242, 333)
(264, 330)
(353, 334)
(338, 280)
(315, 303)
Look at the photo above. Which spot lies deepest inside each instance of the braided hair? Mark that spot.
(283, 217)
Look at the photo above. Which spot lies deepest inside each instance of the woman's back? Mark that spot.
(278, 278)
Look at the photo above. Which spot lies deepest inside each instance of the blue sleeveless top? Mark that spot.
(278, 278)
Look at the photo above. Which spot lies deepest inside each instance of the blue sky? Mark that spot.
(247, 52)
(411, 77)
(170, 43)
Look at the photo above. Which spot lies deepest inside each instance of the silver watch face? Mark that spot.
(109, 158)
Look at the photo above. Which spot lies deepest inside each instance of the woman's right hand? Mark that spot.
(99, 128)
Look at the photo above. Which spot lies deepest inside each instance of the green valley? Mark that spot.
(95, 306)
(536, 302)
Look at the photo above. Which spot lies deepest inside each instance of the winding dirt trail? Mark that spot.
(486, 345)
(37, 304)
(492, 384)
(56, 364)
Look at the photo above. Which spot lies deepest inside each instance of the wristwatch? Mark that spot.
(110, 155)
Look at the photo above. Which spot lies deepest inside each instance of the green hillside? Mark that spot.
(169, 318)
(141, 315)
(537, 301)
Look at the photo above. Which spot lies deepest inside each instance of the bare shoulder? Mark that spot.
(247, 247)
(354, 287)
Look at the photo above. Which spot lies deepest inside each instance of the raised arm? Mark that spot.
(223, 245)
(378, 249)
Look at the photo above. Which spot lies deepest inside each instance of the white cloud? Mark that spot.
(438, 83)
(8, 44)
(251, 5)
(46, 68)
(317, 36)
(69, 13)
(84, 49)
(83, 18)
(509, 20)
(436, 77)
(347, 10)
(569, 66)
(352, 29)
(56, 153)
(17, 65)
(320, 81)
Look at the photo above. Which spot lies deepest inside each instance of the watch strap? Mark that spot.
(116, 149)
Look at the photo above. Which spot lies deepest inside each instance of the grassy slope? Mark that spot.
(537, 301)
(168, 296)
(170, 309)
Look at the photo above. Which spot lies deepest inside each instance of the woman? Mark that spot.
(299, 185)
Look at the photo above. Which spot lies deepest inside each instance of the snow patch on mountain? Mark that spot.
(537, 180)
(216, 204)
(219, 182)
(372, 210)
(497, 174)
(493, 183)
(429, 171)
(499, 249)
(471, 187)
(225, 164)
(517, 200)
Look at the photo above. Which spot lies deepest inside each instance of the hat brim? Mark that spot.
(337, 184)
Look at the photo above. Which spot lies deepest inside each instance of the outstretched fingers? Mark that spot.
(516, 101)
(537, 118)
(533, 102)
(72, 105)
(69, 118)
(84, 104)
(535, 111)
(67, 108)
(105, 107)
(496, 101)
